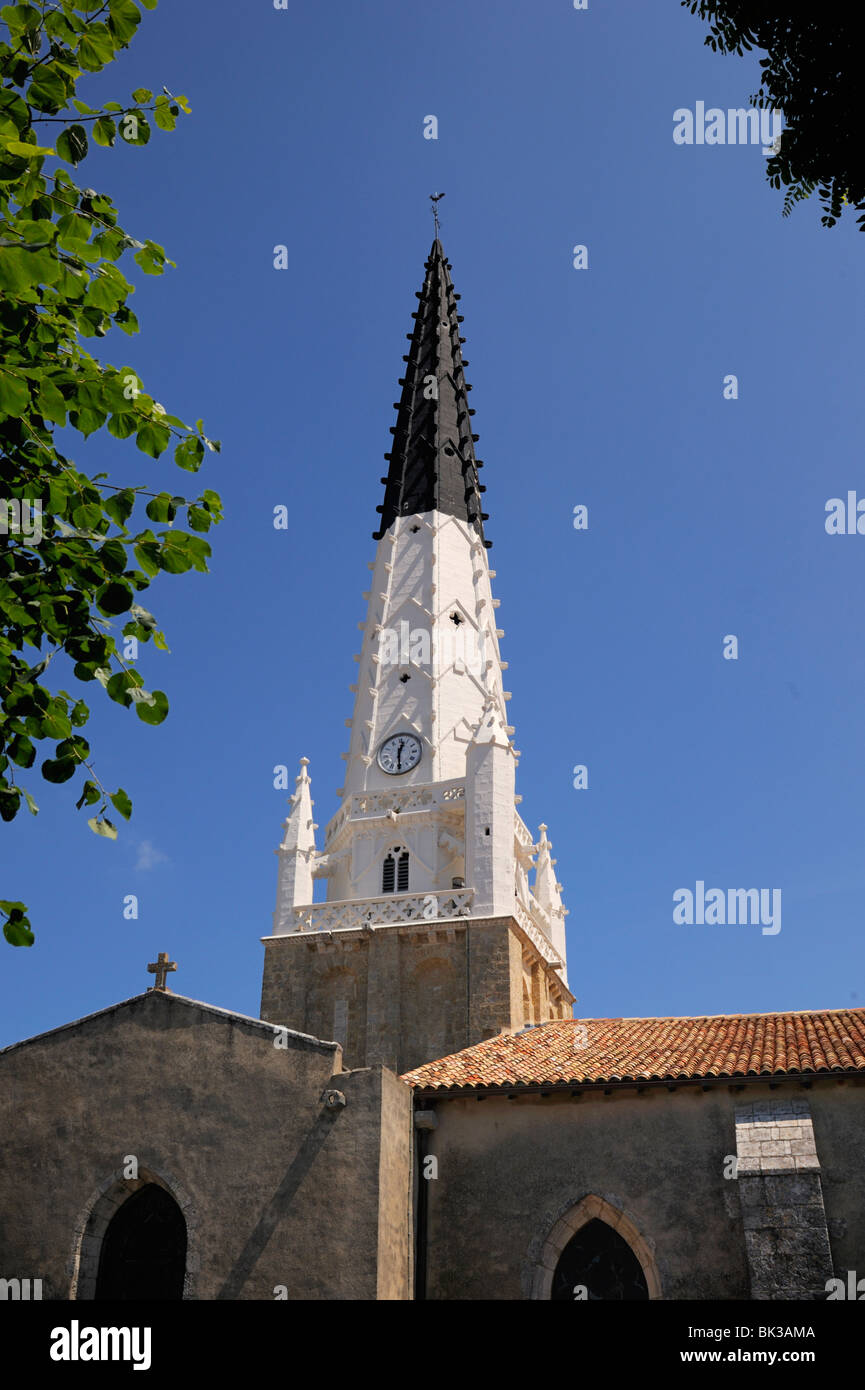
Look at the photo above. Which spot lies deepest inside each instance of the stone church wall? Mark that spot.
(278, 1188)
(510, 1172)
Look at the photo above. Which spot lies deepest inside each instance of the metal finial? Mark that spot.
(434, 199)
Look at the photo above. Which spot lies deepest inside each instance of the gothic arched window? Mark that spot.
(394, 871)
(144, 1249)
(598, 1264)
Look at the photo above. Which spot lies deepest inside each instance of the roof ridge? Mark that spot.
(636, 1051)
(171, 996)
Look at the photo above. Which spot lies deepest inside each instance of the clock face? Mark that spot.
(399, 753)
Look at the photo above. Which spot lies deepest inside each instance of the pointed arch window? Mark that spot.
(394, 871)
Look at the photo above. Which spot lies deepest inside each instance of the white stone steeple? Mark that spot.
(427, 829)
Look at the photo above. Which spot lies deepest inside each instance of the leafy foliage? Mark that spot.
(72, 563)
(811, 73)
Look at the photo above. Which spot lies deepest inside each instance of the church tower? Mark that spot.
(441, 922)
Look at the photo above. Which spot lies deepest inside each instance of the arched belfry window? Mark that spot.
(394, 871)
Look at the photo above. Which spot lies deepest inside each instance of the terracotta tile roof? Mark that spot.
(598, 1050)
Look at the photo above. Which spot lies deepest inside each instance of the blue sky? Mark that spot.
(601, 387)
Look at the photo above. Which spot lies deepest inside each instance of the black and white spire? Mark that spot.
(432, 462)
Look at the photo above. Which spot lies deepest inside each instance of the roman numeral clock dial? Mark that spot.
(399, 753)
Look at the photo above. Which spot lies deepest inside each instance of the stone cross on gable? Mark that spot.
(160, 968)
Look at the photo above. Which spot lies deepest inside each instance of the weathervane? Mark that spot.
(434, 199)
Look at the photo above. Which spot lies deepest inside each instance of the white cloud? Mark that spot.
(149, 856)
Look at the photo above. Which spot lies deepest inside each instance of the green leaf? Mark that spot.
(114, 598)
(134, 128)
(49, 88)
(113, 556)
(72, 144)
(27, 151)
(189, 454)
(17, 930)
(120, 801)
(87, 420)
(96, 48)
(104, 131)
(79, 714)
(56, 722)
(14, 272)
(103, 293)
(59, 770)
(146, 553)
(151, 258)
(121, 686)
(119, 507)
(152, 439)
(22, 751)
(14, 395)
(142, 95)
(90, 794)
(100, 825)
(152, 708)
(124, 18)
(14, 109)
(164, 115)
(126, 320)
(122, 426)
(31, 804)
(161, 508)
(51, 404)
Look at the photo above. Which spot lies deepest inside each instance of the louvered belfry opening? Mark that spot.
(402, 873)
(394, 871)
(432, 464)
(388, 874)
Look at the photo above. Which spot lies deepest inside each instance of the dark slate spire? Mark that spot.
(432, 463)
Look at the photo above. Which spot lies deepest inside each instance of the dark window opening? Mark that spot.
(144, 1250)
(599, 1260)
(388, 874)
(456, 619)
(402, 873)
(405, 678)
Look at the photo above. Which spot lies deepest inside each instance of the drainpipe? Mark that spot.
(424, 1122)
